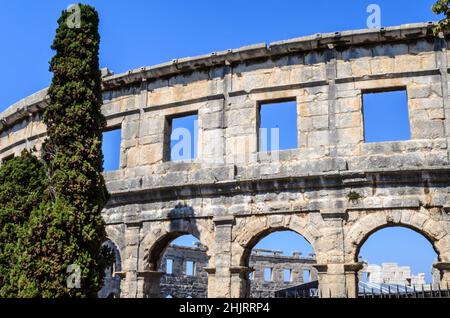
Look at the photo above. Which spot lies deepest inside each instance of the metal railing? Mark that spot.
(383, 291)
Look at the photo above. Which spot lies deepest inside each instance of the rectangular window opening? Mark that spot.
(386, 115)
(190, 268)
(306, 276)
(268, 274)
(181, 138)
(169, 266)
(111, 149)
(277, 126)
(287, 273)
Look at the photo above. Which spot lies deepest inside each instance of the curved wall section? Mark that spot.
(232, 192)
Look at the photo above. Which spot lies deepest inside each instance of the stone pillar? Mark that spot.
(444, 270)
(331, 280)
(129, 288)
(442, 64)
(212, 288)
(240, 284)
(330, 253)
(220, 277)
(122, 277)
(321, 279)
(338, 280)
(351, 279)
(148, 284)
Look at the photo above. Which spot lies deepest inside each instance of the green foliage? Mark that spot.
(74, 120)
(353, 196)
(75, 124)
(22, 188)
(47, 246)
(442, 7)
(50, 212)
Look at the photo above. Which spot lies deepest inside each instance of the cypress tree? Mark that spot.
(71, 227)
(50, 212)
(22, 188)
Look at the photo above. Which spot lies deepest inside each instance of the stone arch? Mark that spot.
(249, 230)
(248, 234)
(117, 255)
(111, 282)
(422, 221)
(160, 234)
(116, 234)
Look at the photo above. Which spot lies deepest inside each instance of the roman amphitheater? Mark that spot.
(335, 189)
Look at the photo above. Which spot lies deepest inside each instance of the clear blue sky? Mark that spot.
(141, 33)
(386, 117)
(281, 118)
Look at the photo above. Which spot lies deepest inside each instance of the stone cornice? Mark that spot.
(260, 51)
(333, 180)
(407, 32)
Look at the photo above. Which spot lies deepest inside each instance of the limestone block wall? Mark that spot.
(179, 285)
(262, 288)
(232, 194)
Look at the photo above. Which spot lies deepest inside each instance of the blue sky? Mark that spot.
(386, 117)
(184, 138)
(140, 33)
(280, 119)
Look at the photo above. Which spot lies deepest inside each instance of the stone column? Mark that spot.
(240, 284)
(351, 279)
(330, 253)
(122, 278)
(212, 288)
(129, 288)
(219, 281)
(444, 270)
(148, 284)
(331, 280)
(322, 279)
(338, 280)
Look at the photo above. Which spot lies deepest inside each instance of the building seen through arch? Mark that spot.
(285, 271)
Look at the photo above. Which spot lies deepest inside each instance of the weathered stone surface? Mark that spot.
(232, 194)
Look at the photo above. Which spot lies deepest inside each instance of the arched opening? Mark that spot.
(397, 261)
(111, 280)
(183, 261)
(283, 265)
